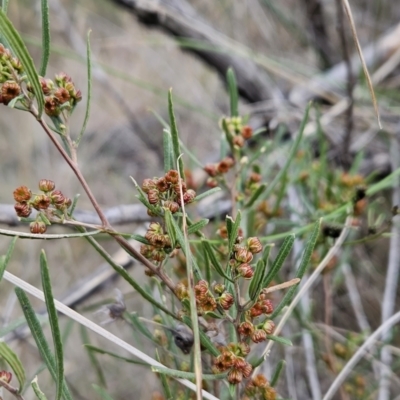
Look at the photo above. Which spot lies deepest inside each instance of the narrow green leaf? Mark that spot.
(198, 226)
(74, 203)
(109, 353)
(172, 229)
(92, 358)
(45, 38)
(279, 260)
(168, 151)
(213, 260)
(204, 339)
(164, 381)
(55, 329)
(138, 325)
(139, 238)
(89, 89)
(292, 154)
(233, 230)
(15, 324)
(103, 394)
(256, 195)
(280, 339)
(36, 389)
(20, 50)
(233, 92)
(277, 372)
(175, 135)
(13, 361)
(301, 270)
(186, 375)
(4, 5)
(207, 193)
(257, 280)
(38, 335)
(4, 260)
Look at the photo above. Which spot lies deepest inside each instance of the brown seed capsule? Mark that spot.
(226, 300)
(238, 141)
(23, 209)
(148, 184)
(172, 176)
(47, 85)
(211, 169)
(247, 132)
(242, 254)
(254, 245)
(38, 227)
(51, 106)
(152, 196)
(172, 206)
(22, 194)
(225, 165)
(246, 328)
(235, 376)
(41, 202)
(269, 327)
(189, 196)
(57, 198)
(46, 185)
(162, 185)
(245, 271)
(5, 376)
(267, 306)
(62, 95)
(259, 335)
(9, 91)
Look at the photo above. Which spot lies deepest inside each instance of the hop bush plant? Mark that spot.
(218, 276)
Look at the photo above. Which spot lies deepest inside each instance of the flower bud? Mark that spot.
(57, 198)
(247, 132)
(254, 245)
(242, 254)
(23, 209)
(235, 376)
(211, 183)
(226, 300)
(225, 165)
(38, 227)
(162, 185)
(9, 91)
(238, 141)
(258, 336)
(46, 185)
(152, 196)
(172, 206)
(5, 376)
(51, 106)
(269, 327)
(148, 184)
(246, 328)
(211, 169)
(219, 288)
(41, 202)
(22, 194)
(189, 196)
(266, 306)
(172, 176)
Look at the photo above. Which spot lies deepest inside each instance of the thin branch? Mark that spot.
(97, 329)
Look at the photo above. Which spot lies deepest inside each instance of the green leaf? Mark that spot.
(137, 324)
(13, 361)
(277, 372)
(35, 386)
(279, 260)
(172, 229)
(255, 196)
(139, 238)
(20, 50)
(204, 339)
(38, 335)
(89, 89)
(4, 5)
(213, 260)
(144, 200)
(102, 351)
(4, 260)
(233, 229)
(186, 375)
(233, 92)
(207, 193)
(74, 203)
(257, 280)
(45, 38)
(13, 325)
(280, 339)
(164, 382)
(168, 151)
(292, 154)
(301, 270)
(55, 329)
(96, 365)
(103, 394)
(175, 136)
(198, 225)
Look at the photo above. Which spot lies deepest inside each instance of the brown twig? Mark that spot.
(346, 157)
(11, 389)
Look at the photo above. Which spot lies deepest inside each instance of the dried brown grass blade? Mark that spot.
(347, 8)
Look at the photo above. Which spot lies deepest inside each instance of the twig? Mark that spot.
(393, 270)
(96, 328)
(310, 281)
(11, 389)
(359, 354)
